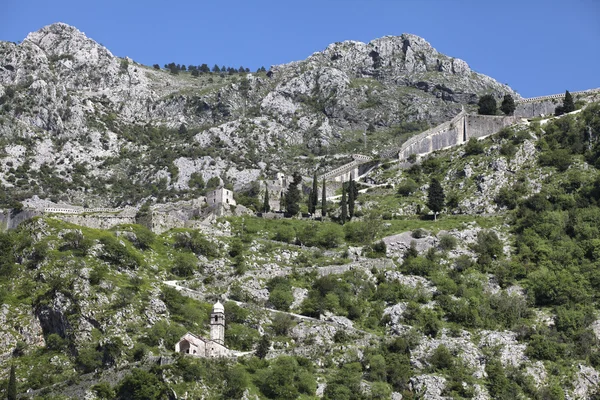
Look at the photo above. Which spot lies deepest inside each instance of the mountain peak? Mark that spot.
(60, 38)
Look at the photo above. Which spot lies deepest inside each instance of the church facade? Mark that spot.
(202, 347)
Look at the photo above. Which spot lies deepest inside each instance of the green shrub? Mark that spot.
(441, 359)
(488, 247)
(196, 243)
(144, 237)
(236, 382)
(285, 233)
(361, 232)
(473, 147)
(103, 391)
(282, 323)
(76, 242)
(407, 187)
(448, 242)
(118, 254)
(240, 337)
(140, 385)
(184, 264)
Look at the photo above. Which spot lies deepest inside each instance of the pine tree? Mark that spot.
(351, 197)
(292, 196)
(216, 68)
(12, 384)
(508, 105)
(266, 205)
(343, 205)
(435, 197)
(324, 201)
(568, 104)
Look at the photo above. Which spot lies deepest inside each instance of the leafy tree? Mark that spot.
(236, 379)
(140, 385)
(344, 206)
(156, 66)
(286, 378)
(487, 105)
(266, 205)
(12, 384)
(508, 105)
(323, 201)
(195, 73)
(292, 196)
(435, 197)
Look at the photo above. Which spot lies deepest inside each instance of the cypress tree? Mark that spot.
(309, 202)
(324, 201)
(351, 197)
(12, 384)
(263, 347)
(314, 198)
(435, 197)
(266, 206)
(568, 104)
(508, 105)
(344, 215)
(292, 196)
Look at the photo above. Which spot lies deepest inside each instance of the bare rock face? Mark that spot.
(586, 382)
(74, 103)
(429, 387)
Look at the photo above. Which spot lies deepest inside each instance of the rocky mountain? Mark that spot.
(392, 304)
(101, 128)
(469, 272)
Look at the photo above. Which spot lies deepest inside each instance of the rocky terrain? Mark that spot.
(495, 297)
(74, 116)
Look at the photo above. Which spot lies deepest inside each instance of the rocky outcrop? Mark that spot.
(76, 106)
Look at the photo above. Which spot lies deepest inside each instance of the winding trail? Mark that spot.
(194, 294)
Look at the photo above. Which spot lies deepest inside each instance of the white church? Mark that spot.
(213, 347)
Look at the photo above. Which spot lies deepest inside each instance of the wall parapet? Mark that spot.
(555, 96)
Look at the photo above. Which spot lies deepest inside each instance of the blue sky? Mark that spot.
(537, 47)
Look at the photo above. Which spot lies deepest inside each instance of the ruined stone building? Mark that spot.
(277, 188)
(202, 347)
(220, 196)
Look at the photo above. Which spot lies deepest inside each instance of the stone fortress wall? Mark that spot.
(460, 129)
(351, 170)
(556, 96)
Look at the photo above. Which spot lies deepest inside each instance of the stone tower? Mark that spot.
(217, 323)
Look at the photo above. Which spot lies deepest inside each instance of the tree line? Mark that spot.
(205, 69)
(488, 106)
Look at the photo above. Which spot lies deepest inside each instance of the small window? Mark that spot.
(216, 318)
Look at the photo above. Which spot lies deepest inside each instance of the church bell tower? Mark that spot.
(217, 323)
